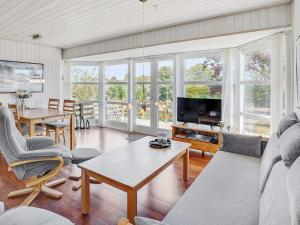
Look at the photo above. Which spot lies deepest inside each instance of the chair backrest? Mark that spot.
(53, 103)
(15, 111)
(69, 105)
(12, 143)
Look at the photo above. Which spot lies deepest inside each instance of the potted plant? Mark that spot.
(22, 96)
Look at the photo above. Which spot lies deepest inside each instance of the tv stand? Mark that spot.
(201, 139)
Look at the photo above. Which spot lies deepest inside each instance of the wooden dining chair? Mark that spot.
(53, 103)
(16, 113)
(23, 128)
(59, 127)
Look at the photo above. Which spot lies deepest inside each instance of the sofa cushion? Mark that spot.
(242, 144)
(145, 221)
(274, 204)
(225, 193)
(286, 122)
(289, 144)
(293, 187)
(270, 156)
(24, 215)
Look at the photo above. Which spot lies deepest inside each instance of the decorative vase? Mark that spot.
(22, 104)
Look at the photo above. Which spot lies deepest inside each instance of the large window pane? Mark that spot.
(256, 127)
(256, 91)
(117, 93)
(165, 115)
(85, 92)
(165, 96)
(140, 69)
(116, 73)
(142, 117)
(165, 92)
(142, 92)
(165, 71)
(116, 113)
(203, 91)
(257, 99)
(258, 65)
(84, 73)
(165, 106)
(204, 69)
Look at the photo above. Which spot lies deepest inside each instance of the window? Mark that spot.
(116, 92)
(203, 76)
(143, 92)
(85, 85)
(256, 91)
(165, 79)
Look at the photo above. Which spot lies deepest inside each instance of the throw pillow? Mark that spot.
(289, 144)
(270, 156)
(286, 122)
(145, 221)
(242, 144)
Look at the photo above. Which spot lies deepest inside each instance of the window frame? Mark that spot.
(242, 83)
(97, 101)
(110, 123)
(171, 82)
(195, 55)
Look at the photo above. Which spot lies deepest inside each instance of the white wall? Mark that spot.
(50, 57)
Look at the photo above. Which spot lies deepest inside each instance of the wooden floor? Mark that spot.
(108, 205)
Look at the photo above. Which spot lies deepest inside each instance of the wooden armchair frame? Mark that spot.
(124, 221)
(36, 185)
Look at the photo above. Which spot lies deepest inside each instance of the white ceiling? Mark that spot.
(206, 44)
(68, 23)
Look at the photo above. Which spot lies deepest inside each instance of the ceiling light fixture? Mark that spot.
(36, 77)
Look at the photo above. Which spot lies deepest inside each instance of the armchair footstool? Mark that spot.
(80, 155)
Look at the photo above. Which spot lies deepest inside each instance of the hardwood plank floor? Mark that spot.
(108, 204)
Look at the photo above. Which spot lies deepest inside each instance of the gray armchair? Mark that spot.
(35, 160)
(24, 215)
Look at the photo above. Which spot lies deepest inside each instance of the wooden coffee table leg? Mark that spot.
(85, 192)
(186, 159)
(131, 205)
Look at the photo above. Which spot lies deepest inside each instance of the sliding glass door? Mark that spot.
(143, 96)
(154, 94)
(165, 93)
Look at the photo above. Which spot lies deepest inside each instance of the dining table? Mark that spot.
(34, 116)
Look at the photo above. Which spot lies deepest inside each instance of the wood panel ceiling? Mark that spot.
(68, 23)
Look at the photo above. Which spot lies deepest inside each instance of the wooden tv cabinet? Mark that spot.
(179, 133)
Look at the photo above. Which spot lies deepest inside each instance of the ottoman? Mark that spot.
(80, 155)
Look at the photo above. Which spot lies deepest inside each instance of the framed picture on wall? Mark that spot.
(298, 66)
(21, 75)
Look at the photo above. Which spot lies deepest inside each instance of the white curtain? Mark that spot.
(227, 89)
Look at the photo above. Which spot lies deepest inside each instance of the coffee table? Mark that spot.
(129, 168)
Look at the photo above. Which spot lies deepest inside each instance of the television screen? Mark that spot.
(200, 111)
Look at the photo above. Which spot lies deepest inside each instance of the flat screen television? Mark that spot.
(200, 111)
